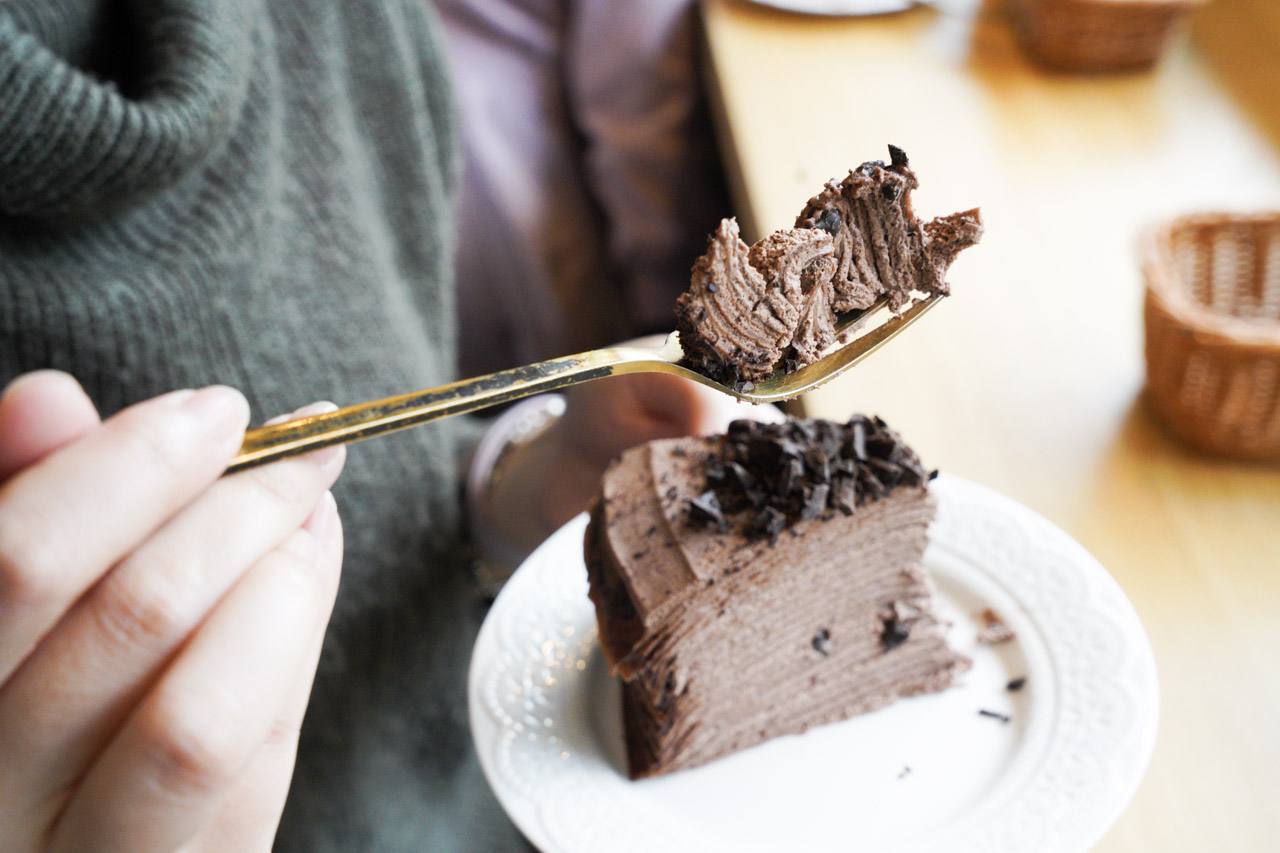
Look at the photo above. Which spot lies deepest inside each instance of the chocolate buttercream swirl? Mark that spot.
(878, 237)
(749, 310)
(745, 305)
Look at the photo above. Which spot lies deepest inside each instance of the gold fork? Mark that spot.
(366, 420)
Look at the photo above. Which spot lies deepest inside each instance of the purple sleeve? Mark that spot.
(591, 179)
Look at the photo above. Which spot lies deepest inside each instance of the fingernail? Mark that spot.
(319, 408)
(327, 457)
(323, 518)
(37, 377)
(219, 408)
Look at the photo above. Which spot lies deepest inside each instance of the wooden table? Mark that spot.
(1029, 379)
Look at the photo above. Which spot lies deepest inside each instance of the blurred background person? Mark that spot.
(197, 193)
(590, 177)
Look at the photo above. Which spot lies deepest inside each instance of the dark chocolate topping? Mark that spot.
(706, 508)
(784, 473)
(895, 633)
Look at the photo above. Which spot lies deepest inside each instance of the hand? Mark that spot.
(159, 625)
(553, 478)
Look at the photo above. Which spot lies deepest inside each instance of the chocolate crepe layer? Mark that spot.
(763, 582)
(750, 310)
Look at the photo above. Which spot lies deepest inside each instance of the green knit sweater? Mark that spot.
(256, 194)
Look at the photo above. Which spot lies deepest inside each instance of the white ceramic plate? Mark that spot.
(927, 773)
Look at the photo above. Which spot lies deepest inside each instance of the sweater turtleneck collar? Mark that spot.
(101, 108)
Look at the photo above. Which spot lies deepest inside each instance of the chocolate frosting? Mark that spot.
(750, 310)
(745, 306)
(726, 633)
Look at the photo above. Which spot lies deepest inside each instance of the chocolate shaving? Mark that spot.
(738, 477)
(770, 522)
(829, 221)
(895, 633)
(792, 471)
(844, 495)
(816, 502)
(706, 509)
(859, 440)
(871, 484)
(1017, 684)
(993, 631)
(822, 642)
(995, 715)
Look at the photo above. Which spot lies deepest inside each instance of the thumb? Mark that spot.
(673, 406)
(39, 413)
(665, 406)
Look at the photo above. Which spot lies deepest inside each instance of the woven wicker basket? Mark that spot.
(1097, 35)
(1213, 331)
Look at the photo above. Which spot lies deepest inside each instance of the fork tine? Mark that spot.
(843, 356)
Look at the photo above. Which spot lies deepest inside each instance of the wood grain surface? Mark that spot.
(1029, 379)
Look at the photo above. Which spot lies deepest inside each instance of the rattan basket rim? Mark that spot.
(1153, 4)
(1167, 289)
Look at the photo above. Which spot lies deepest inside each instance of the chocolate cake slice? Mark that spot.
(749, 310)
(762, 582)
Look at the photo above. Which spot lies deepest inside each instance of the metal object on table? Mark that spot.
(366, 420)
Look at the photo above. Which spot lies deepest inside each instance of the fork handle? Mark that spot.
(366, 420)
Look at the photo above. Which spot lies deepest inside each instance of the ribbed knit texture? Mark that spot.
(256, 194)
